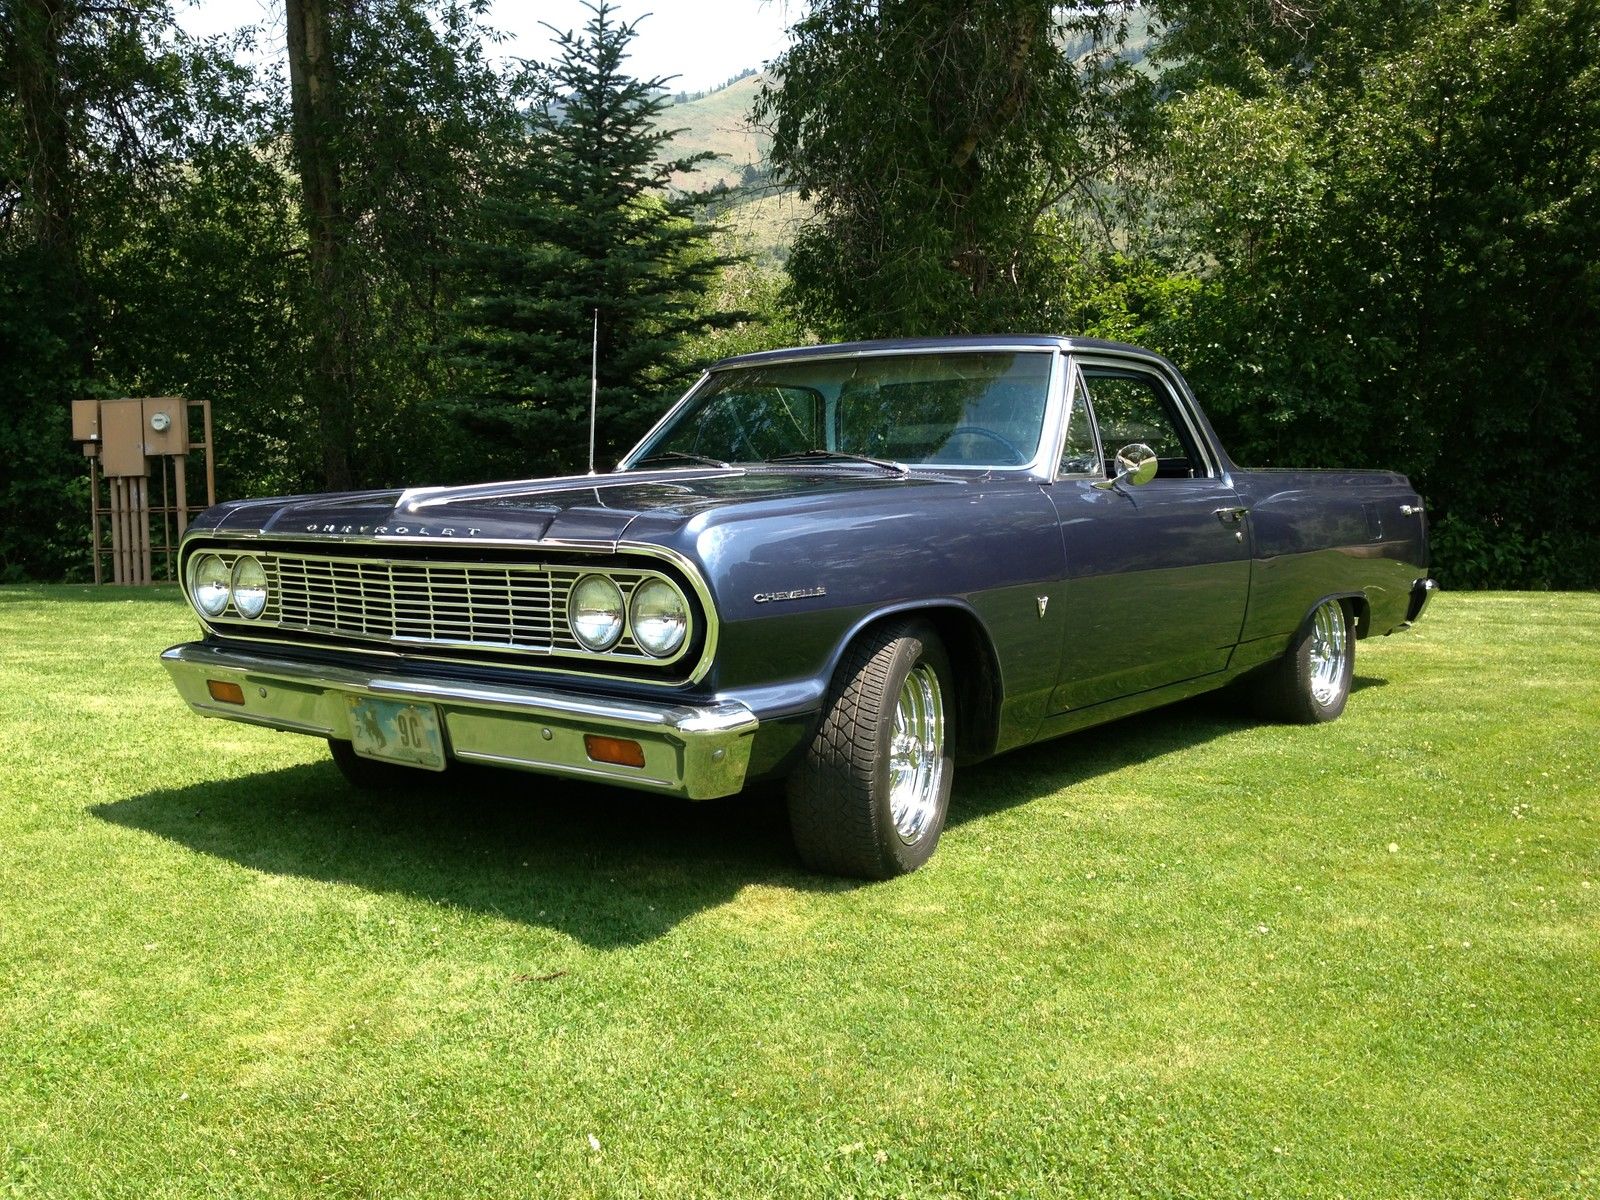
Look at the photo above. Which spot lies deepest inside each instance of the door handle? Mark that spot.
(1231, 516)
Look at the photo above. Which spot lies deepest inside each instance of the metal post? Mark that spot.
(594, 386)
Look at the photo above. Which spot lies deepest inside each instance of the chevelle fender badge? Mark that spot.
(797, 594)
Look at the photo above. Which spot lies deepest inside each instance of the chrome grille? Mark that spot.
(415, 602)
(490, 606)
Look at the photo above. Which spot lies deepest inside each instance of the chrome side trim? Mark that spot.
(544, 663)
(698, 750)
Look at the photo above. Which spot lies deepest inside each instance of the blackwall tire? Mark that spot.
(870, 796)
(1311, 683)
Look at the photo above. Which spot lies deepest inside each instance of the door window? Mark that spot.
(1132, 406)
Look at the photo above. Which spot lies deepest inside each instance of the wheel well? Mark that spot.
(976, 671)
(1361, 613)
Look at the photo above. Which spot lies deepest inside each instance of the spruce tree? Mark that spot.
(591, 224)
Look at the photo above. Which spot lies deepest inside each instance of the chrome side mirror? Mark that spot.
(1136, 464)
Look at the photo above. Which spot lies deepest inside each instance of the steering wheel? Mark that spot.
(1017, 456)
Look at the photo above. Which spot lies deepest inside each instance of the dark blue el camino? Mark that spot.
(849, 566)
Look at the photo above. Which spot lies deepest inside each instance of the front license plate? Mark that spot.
(395, 731)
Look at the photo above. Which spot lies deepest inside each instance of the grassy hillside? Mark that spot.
(720, 122)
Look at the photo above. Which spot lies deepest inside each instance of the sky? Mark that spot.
(702, 42)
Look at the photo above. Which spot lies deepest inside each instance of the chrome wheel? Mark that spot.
(1329, 650)
(916, 754)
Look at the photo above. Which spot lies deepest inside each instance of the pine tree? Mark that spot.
(591, 225)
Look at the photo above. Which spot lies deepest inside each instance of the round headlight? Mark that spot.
(594, 612)
(660, 618)
(249, 587)
(208, 584)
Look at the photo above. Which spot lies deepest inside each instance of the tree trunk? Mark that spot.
(331, 309)
(33, 43)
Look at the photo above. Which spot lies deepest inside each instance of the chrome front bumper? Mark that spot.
(694, 750)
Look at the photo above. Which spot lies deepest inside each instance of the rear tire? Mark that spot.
(1310, 684)
(870, 796)
(368, 775)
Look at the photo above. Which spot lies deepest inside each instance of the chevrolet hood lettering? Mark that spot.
(584, 510)
(395, 530)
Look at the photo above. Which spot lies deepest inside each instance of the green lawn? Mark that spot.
(1185, 955)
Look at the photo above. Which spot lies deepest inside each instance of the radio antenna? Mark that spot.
(594, 386)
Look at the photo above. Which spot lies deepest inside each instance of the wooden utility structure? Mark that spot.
(137, 447)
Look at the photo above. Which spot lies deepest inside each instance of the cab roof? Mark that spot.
(1029, 341)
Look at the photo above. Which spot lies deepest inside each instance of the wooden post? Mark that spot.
(179, 473)
(125, 519)
(94, 515)
(142, 518)
(116, 529)
(211, 459)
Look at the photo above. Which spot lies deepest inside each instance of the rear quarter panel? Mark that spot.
(1317, 534)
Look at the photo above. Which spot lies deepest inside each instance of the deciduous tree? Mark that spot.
(947, 147)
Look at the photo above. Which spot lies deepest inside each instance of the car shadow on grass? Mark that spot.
(606, 866)
(1078, 759)
(603, 865)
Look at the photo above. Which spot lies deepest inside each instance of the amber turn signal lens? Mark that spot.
(621, 751)
(225, 693)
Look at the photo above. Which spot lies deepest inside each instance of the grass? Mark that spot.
(1184, 955)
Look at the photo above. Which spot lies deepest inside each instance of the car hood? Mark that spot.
(581, 509)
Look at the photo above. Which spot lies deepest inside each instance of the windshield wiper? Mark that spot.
(679, 456)
(839, 456)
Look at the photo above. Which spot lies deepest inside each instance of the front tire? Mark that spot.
(869, 798)
(1310, 684)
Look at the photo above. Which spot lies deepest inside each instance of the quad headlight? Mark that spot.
(212, 585)
(659, 617)
(595, 612)
(249, 586)
(208, 584)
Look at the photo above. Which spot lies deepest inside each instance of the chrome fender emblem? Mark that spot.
(796, 594)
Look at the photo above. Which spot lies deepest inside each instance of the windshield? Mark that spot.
(972, 409)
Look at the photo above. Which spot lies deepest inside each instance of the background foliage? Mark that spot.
(595, 259)
(1365, 230)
